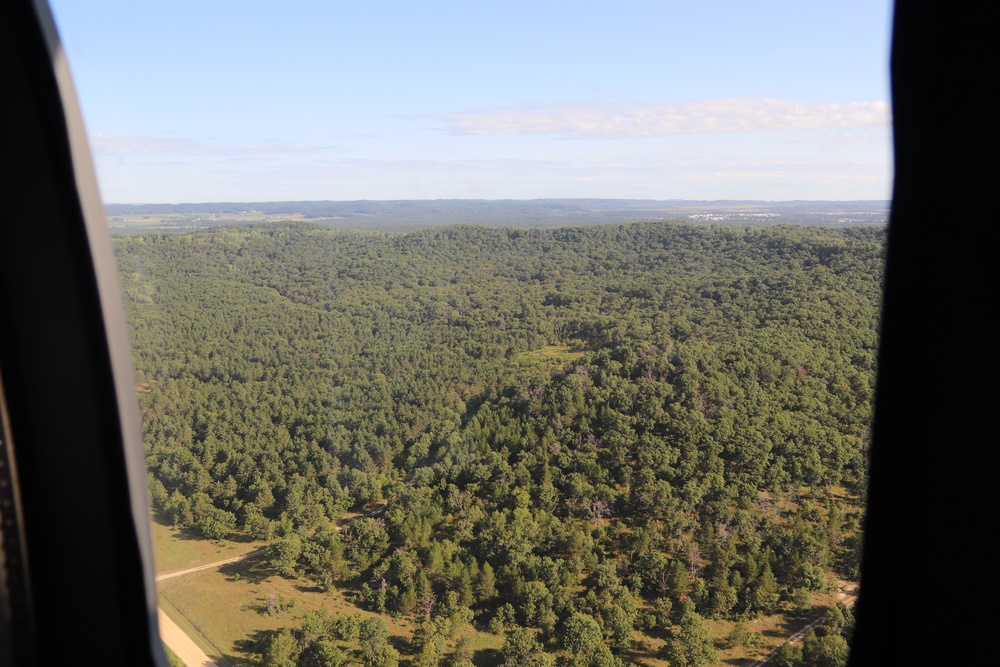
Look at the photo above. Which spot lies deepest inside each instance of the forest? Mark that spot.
(573, 437)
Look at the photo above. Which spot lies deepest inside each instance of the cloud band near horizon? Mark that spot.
(718, 116)
(119, 145)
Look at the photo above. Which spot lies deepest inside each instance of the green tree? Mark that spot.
(788, 655)
(323, 653)
(429, 640)
(803, 601)
(618, 625)
(375, 648)
(462, 655)
(581, 633)
(521, 648)
(765, 593)
(691, 645)
(281, 649)
(283, 554)
(582, 637)
(486, 587)
(829, 650)
(738, 636)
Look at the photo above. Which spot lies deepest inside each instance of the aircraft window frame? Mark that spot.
(77, 498)
(53, 204)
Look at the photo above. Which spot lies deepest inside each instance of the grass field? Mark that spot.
(554, 354)
(222, 609)
(180, 549)
(774, 630)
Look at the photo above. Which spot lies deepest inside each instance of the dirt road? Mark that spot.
(178, 641)
(209, 566)
(171, 634)
(181, 644)
(846, 597)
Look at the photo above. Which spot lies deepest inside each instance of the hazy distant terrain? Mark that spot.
(409, 215)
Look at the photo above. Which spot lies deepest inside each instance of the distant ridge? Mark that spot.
(406, 215)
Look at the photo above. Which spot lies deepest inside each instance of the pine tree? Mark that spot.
(691, 646)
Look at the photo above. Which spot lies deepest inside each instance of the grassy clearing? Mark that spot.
(225, 607)
(180, 549)
(372, 509)
(774, 629)
(555, 355)
(485, 646)
(644, 650)
(222, 609)
(190, 629)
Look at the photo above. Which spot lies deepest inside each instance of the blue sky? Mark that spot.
(261, 101)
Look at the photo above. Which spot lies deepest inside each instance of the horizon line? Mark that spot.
(480, 199)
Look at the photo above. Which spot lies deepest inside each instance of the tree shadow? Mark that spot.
(253, 570)
(238, 661)
(661, 633)
(402, 645)
(309, 588)
(794, 620)
(249, 648)
(487, 657)
(643, 648)
(241, 538)
(806, 614)
(185, 533)
(191, 533)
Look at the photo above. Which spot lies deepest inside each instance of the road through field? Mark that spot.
(218, 563)
(847, 598)
(181, 644)
(171, 634)
(178, 641)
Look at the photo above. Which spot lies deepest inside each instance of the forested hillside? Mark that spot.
(580, 435)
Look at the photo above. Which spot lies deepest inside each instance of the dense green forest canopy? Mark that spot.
(576, 431)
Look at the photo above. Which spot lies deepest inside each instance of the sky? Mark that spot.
(213, 100)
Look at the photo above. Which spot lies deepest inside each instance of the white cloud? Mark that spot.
(105, 144)
(117, 145)
(651, 120)
(272, 149)
(855, 138)
(652, 176)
